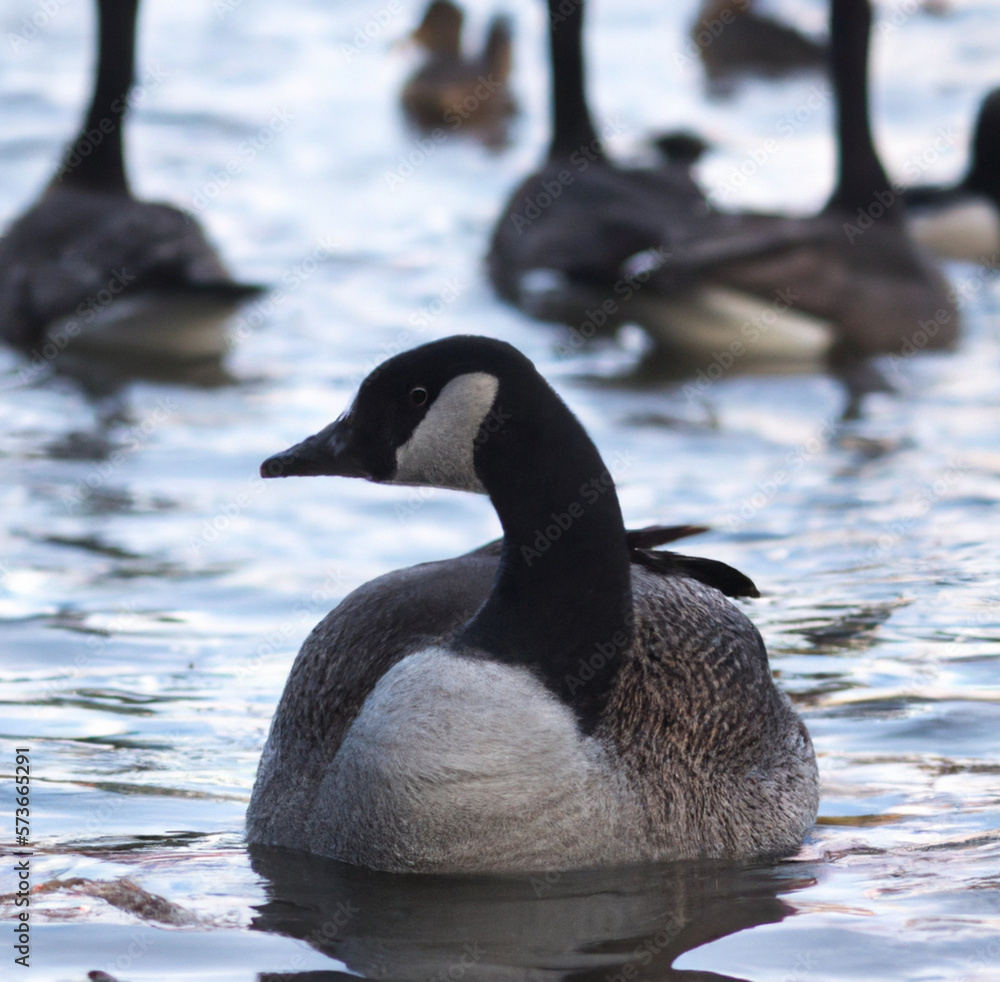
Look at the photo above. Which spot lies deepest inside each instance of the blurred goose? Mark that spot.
(592, 245)
(963, 221)
(734, 40)
(91, 268)
(863, 274)
(455, 93)
(580, 238)
(566, 703)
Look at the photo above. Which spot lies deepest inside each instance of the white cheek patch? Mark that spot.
(439, 453)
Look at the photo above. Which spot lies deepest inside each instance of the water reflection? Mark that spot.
(586, 925)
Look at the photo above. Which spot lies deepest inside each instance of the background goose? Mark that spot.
(862, 273)
(556, 706)
(91, 267)
(579, 239)
(455, 93)
(963, 221)
(586, 243)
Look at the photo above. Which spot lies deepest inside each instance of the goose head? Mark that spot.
(418, 419)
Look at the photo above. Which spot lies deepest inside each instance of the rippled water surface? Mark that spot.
(153, 591)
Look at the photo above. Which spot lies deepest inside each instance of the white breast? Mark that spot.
(713, 322)
(461, 763)
(969, 229)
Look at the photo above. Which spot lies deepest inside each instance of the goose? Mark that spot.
(592, 245)
(963, 221)
(560, 700)
(91, 268)
(733, 41)
(579, 238)
(454, 93)
(863, 274)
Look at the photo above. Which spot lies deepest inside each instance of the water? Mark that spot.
(154, 590)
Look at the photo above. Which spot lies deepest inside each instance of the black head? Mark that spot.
(415, 420)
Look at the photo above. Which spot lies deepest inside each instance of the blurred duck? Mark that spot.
(90, 268)
(592, 245)
(963, 221)
(734, 41)
(459, 94)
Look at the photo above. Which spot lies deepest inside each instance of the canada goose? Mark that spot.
(578, 240)
(455, 93)
(733, 40)
(562, 704)
(963, 221)
(592, 245)
(863, 274)
(90, 267)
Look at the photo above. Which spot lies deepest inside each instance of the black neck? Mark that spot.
(572, 128)
(984, 170)
(862, 179)
(563, 591)
(94, 159)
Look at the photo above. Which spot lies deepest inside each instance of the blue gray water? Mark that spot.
(153, 591)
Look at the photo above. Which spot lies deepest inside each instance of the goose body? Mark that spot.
(844, 284)
(963, 221)
(91, 267)
(566, 698)
(455, 93)
(862, 272)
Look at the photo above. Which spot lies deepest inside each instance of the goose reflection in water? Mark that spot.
(610, 925)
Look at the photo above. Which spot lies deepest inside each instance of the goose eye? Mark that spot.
(418, 395)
